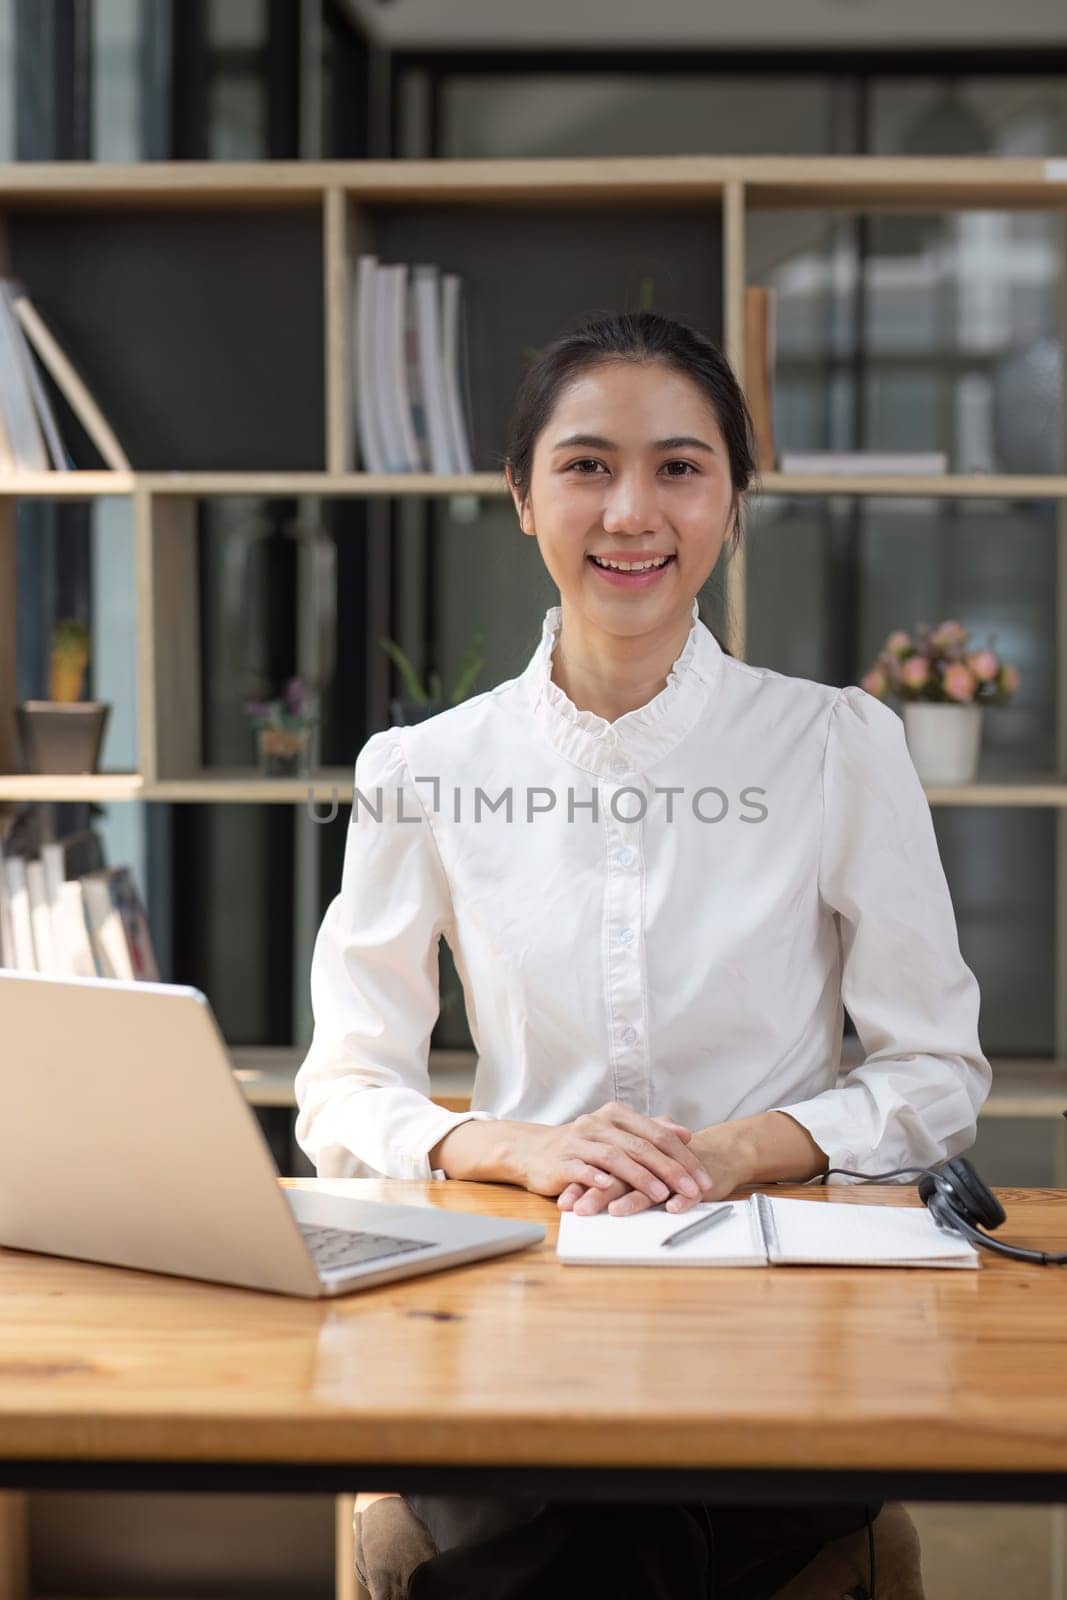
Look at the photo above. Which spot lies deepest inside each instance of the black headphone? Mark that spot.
(960, 1202)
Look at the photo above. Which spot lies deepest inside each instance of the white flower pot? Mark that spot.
(944, 740)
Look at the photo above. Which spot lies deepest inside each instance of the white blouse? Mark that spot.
(667, 910)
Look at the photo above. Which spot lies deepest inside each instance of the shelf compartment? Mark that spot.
(198, 332)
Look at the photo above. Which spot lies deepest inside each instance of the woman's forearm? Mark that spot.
(481, 1152)
(770, 1147)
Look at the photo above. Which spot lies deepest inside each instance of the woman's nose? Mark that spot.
(630, 506)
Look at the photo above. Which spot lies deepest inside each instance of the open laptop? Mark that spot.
(126, 1139)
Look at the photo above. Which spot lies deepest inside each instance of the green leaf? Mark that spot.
(72, 635)
(410, 678)
(469, 668)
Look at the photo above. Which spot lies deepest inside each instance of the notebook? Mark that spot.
(765, 1231)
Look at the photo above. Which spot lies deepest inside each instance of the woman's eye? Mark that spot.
(591, 461)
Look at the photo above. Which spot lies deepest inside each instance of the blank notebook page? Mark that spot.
(822, 1231)
(604, 1240)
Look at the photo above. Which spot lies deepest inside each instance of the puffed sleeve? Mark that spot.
(914, 1100)
(362, 1091)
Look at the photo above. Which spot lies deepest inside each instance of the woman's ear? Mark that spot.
(521, 502)
(737, 520)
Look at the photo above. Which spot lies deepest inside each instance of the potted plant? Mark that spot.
(283, 732)
(418, 702)
(65, 732)
(944, 684)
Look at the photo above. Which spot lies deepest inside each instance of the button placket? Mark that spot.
(629, 1044)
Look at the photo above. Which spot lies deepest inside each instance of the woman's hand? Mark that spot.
(726, 1153)
(614, 1148)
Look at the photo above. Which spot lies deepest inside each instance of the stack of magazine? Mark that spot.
(64, 912)
(410, 371)
(30, 439)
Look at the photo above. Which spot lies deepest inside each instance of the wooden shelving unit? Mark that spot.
(349, 200)
(352, 206)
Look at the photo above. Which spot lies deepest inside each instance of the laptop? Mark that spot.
(126, 1139)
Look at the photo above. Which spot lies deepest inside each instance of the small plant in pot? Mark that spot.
(944, 683)
(419, 702)
(283, 729)
(64, 733)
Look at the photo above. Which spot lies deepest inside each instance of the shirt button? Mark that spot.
(625, 935)
(626, 858)
(628, 1035)
(619, 764)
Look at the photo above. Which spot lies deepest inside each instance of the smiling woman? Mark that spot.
(630, 458)
(656, 988)
(629, 461)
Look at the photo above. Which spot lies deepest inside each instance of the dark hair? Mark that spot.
(634, 336)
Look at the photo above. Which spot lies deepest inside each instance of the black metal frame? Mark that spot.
(715, 1485)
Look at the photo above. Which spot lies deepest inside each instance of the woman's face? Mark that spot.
(631, 465)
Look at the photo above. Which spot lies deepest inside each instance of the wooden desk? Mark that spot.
(758, 1383)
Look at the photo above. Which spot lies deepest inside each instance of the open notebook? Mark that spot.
(762, 1231)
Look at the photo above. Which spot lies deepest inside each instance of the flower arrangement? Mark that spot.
(469, 668)
(940, 665)
(283, 729)
(69, 659)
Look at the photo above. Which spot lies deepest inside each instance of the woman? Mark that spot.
(660, 871)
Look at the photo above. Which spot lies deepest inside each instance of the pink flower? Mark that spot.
(1009, 679)
(958, 681)
(948, 636)
(898, 642)
(915, 672)
(985, 664)
(875, 682)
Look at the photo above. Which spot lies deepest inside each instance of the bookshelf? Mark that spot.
(314, 219)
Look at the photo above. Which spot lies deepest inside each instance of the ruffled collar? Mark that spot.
(637, 739)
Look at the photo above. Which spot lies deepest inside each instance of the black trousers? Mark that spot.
(672, 1551)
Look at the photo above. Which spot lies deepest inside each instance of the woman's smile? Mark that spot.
(638, 576)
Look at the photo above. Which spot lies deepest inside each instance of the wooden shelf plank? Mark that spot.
(72, 786)
(65, 485)
(868, 183)
(352, 485)
(978, 486)
(332, 484)
(243, 785)
(1036, 789)
(266, 1073)
(1022, 1086)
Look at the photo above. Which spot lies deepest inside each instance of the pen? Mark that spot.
(707, 1221)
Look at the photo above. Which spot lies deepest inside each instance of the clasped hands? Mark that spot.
(618, 1160)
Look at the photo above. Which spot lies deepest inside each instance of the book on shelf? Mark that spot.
(118, 925)
(857, 463)
(25, 446)
(760, 321)
(64, 912)
(371, 452)
(30, 439)
(409, 368)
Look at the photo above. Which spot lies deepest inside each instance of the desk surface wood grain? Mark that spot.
(522, 1361)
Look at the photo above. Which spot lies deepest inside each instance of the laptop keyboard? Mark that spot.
(335, 1248)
